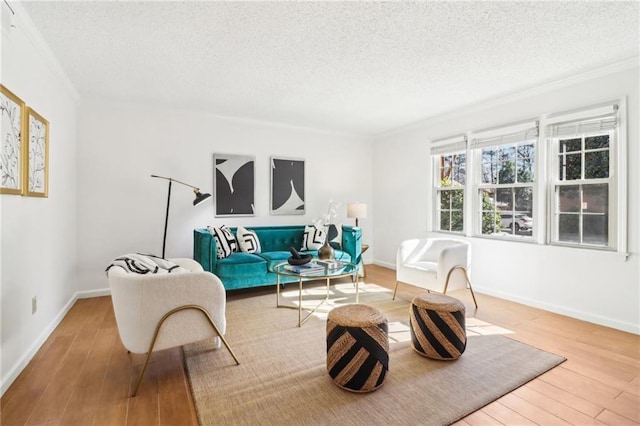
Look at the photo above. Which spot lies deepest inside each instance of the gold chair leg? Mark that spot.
(157, 331)
(466, 277)
(394, 291)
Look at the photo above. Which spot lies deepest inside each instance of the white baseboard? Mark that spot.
(384, 264)
(15, 371)
(581, 315)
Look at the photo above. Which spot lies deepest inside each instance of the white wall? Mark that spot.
(596, 286)
(38, 256)
(121, 209)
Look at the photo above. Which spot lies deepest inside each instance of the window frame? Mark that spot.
(614, 198)
(448, 146)
(519, 134)
(438, 188)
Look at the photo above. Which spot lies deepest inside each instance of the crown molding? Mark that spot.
(624, 65)
(26, 25)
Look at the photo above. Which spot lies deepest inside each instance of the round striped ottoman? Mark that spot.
(437, 326)
(357, 347)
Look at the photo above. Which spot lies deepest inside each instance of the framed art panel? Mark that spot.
(37, 167)
(234, 185)
(12, 110)
(287, 186)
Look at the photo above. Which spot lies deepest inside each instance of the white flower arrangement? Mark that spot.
(325, 220)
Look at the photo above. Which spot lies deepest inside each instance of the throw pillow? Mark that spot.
(334, 234)
(225, 241)
(313, 238)
(248, 241)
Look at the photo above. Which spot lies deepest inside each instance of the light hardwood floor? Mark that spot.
(82, 374)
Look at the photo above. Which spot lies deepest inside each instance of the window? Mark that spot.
(450, 164)
(505, 188)
(450, 193)
(570, 190)
(583, 185)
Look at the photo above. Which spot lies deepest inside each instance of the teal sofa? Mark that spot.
(244, 270)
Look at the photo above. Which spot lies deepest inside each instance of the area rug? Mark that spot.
(282, 378)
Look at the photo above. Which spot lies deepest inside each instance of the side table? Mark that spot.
(365, 247)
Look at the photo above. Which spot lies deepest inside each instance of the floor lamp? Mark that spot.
(200, 197)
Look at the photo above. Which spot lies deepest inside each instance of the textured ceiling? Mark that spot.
(357, 67)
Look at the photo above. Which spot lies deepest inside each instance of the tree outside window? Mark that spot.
(506, 190)
(450, 192)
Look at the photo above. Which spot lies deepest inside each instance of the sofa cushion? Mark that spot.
(241, 265)
(313, 238)
(274, 258)
(225, 241)
(248, 240)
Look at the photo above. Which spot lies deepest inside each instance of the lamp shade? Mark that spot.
(200, 197)
(357, 210)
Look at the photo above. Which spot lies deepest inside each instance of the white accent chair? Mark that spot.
(160, 311)
(436, 264)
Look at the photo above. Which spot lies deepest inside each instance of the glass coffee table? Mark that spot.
(346, 270)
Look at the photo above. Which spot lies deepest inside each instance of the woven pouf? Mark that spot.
(357, 347)
(437, 326)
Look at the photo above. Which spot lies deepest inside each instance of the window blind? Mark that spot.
(583, 126)
(449, 145)
(506, 135)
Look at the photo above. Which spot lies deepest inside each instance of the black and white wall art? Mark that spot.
(234, 185)
(287, 186)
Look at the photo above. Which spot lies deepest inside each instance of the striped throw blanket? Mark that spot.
(139, 263)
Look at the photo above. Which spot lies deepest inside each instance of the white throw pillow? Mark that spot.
(226, 242)
(248, 240)
(335, 236)
(313, 238)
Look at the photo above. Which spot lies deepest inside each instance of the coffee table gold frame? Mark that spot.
(349, 269)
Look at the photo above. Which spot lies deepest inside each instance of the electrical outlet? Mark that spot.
(34, 305)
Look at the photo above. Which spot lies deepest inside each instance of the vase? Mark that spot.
(326, 251)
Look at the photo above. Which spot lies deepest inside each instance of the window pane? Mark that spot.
(490, 222)
(459, 169)
(524, 199)
(445, 222)
(445, 200)
(526, 150)
(570, 167)
(490, 219)
(508, 153)
(596, 165)
(525, 170)
(569, 199)
(507, 173)
(595, 198)
(596, 230)
(457, 199)
(570, 145)
(489, 173)
(489, 166)
(506, 222)
(504, 198)
(595, 142)
(524, 224)
(456, 221)
(569, 228)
